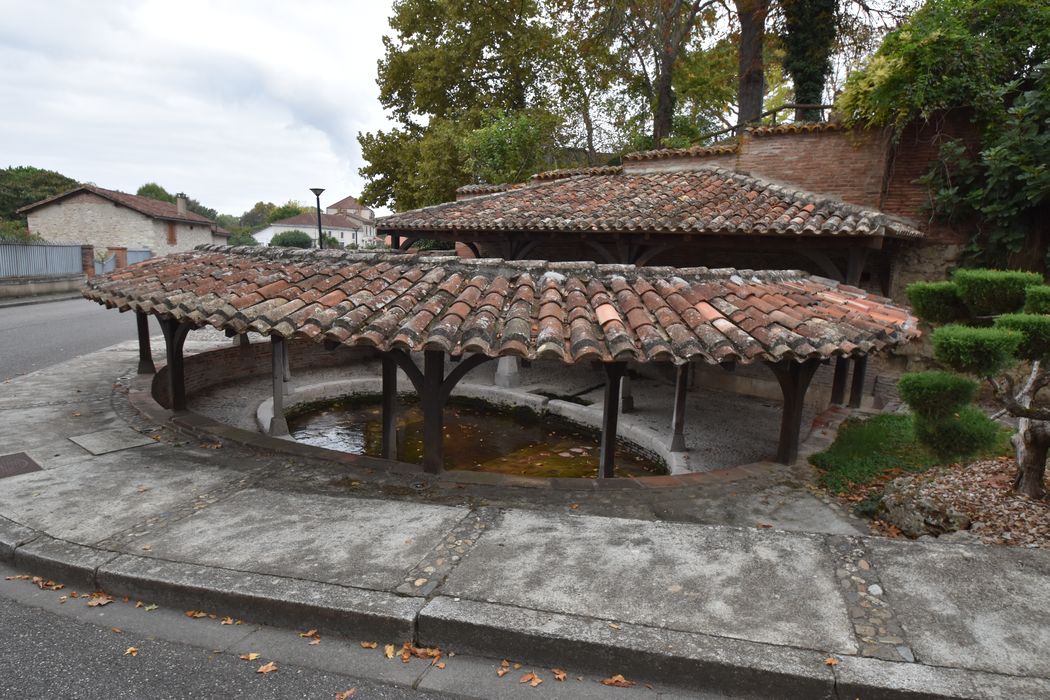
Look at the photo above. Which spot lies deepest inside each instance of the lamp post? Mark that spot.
(320, 236)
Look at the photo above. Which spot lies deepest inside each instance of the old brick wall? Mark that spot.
(88, 218)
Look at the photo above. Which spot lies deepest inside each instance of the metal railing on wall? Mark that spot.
(39, 260)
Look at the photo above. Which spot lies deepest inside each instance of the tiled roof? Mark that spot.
(573, 312)
(308, 219)
(572, 172)
(704, 200)
(166, 211)
(691, 152)
(347, 203)
(484, 188)
(796, 128)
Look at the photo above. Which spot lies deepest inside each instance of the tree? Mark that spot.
(258, 215)
(242, 238)
(155, 191)
(23, 185)
(750, 68)
(285, 211)
(994, 320)
(510, 147)
(292, 239)
(809, 40)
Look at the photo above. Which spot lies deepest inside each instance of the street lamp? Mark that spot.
(320, 236)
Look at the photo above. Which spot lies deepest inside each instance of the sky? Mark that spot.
(230, 102)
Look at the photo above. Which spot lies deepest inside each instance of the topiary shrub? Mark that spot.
(980, 351)
(1037, 300)
(959, 434)
(936, 394)
(292, 239)
(936, 302)
(1035, 332)
(993, 292)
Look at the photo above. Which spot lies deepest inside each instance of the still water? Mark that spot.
(477, 438)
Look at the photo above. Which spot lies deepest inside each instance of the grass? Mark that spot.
(867, 450)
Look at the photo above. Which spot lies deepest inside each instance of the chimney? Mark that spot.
(180, 203)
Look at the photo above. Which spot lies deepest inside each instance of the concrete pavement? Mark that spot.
(749, 612)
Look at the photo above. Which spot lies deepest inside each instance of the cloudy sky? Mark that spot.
(231, 102)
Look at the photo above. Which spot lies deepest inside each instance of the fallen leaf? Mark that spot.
(615, 626)
(388, 651)
(19, 577)
(308, 633)
(617, 681)
(315, 641)
(250, 656)
(138, 603)
(574, 506)
(369, 645)
(517, 667)
(76, 414)
(115, 630)
(559, 675)
(831, 661)
(346, 694)
(196, 614)
(151, 607)
(147, 548)
(131, 651)
(530, 678)
(440, 664)
(504, 668)
(268, 667)
(226, 621)
(763, 526)
(63, 599)
(98, 599)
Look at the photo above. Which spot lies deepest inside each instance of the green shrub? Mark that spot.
(981, 351)
(935, 394)
(936, 302)
(241, 238)
(1035, 330)
(957, 435)
(292, 239)
(1037, 300)
(994, 292)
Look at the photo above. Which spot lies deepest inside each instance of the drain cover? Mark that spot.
(18, 463)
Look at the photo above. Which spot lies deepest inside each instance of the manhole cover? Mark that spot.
(18, 463)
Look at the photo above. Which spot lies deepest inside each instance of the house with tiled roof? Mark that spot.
(104, 218)
(349, 206)
(348, 229)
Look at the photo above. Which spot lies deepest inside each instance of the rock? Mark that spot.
(875, 589)
(916, 514)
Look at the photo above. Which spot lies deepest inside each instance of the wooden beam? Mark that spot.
(278, 351)
(146, 365)
(794, 378)
(174, 338)
(433, 405)
(681, 387)
(856, 392)
(389, 414)
(838, 383)
(614, 372)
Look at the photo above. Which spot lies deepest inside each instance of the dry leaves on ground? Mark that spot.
(504, 668)
(559, 675)
(98, 599)
(388, 651)
(530, 678)
(268, 667)
(131, 651)
(196, 614)
(369, 645)
(226, 621)
(312, 635)
(250, 656)
(831, 661)
(618, 681)
(346, 694)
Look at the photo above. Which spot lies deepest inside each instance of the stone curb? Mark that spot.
(30, 301)
(276, 600)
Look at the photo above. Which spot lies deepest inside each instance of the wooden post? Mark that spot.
(838, 384)
(681, 386)
(244, 342)
(626, 397)
(614, 372)
(174, 338)
(389, 417)
(146, 365)
(794, 378)
(856, 392)
(286, 371)
(278, 423)
(433, 404)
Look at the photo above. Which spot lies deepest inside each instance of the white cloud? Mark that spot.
(231, 102)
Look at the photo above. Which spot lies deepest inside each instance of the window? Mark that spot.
(172, 237)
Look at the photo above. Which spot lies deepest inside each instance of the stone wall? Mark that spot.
(88, 218)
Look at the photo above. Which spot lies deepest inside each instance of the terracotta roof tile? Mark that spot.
(704, 200)
(156, 209)
(566, 311)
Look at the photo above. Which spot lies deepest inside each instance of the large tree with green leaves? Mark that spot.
(994, 326)
(22, 185)
(155, 191)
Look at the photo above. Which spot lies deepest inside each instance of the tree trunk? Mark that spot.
(1031, 444)
(663, 115)
(752, 86)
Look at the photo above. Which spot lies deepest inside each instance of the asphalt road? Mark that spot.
(36, 336)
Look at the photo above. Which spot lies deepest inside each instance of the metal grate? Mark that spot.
(18, 463)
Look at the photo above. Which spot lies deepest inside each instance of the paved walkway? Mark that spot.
(628, 582)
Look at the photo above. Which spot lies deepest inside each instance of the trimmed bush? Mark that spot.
(981, 351)
(958, 435)
(1035, 330)
(936, 302)
(292, 239)
(994, 292)
(1037, 300)
(936, 394)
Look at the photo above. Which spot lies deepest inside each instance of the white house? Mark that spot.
(345, 228)
(107, 218)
